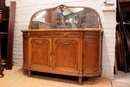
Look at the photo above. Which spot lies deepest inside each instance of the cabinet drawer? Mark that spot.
(92, 34)
(40, 34)
(66, 34)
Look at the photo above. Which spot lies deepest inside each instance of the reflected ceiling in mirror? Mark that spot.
(65, 17)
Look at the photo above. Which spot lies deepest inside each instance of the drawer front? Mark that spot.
(91, 34)
(66, 34)
(40, 34)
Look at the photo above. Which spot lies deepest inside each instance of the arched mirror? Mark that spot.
(65, 17)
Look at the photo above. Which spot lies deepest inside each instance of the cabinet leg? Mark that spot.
(1, 71)
(2, 75)
(80, 80)
(29, 73)
(99, 75)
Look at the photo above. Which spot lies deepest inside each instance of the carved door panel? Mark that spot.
(40, 49)
(66, 54)
(91, 57)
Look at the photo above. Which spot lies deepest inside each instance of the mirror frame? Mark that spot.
(64, 6)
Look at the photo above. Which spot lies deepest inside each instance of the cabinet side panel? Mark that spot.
(25, 52)
(91, 60)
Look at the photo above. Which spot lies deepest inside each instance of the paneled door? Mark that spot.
(39, 52)
(66, 54)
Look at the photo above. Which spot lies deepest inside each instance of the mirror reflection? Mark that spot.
(68, 17)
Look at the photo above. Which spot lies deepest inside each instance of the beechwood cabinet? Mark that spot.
(64, 40)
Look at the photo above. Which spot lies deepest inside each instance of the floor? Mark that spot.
(17, 77)
(122, 79)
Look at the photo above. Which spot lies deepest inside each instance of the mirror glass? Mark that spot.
(65, 18)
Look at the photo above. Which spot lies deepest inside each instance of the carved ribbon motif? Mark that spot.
(40, 41)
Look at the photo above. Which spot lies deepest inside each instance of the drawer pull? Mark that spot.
(40, 35)
(66, 35)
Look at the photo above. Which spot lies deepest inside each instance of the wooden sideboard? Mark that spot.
(67, 52)
(64, 40)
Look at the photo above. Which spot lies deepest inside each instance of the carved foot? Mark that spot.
(99, 75)
(2, 69)
(80, 80)
(2, 75)
(29, 73)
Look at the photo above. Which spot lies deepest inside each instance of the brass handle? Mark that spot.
(66, 35)
(52, 53)
(40, 35)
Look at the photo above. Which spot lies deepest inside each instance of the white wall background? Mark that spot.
(25, 9)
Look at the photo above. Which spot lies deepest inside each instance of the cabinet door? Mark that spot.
(39, 53)
(66, 54)
(91, 57)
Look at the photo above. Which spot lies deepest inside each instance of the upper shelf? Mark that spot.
(66, 17)
(124, 0)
